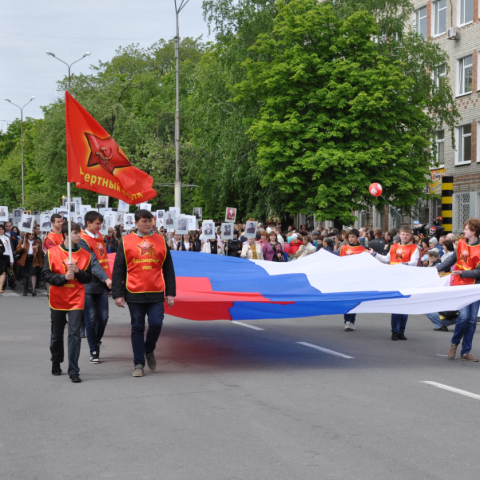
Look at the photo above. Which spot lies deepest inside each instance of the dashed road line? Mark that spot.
(326, 350)
(452, 389)
(247, 325)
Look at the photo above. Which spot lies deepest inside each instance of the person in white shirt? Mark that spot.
(6, 260)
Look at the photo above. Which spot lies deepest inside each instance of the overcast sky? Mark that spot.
(69, 29)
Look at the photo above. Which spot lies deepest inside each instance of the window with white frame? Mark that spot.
(440, 17)
(421, 21)
(464, 144)
(440, 142)
(440, 75)
(465, 11)
(465, 75)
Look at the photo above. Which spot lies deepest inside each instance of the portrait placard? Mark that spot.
(174, 209)
(17, 216)
(182, 225)
(45, 225)
(192, 222)
(78, 202)
(84, 209)
(128, 221)
(123, 206)
(3, 214)
(103, 200)
(230, 214)
(169, 219)
(251, 229)
(118, 218)
(208, 230)
(227, 231)
(160, 217)
(197, 211)
(26, 223)
(78, 219)
(145, 206)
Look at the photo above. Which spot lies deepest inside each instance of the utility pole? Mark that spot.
(178, 180)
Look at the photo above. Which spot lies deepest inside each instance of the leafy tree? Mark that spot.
(336, 113)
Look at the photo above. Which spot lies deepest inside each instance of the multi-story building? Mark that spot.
(455, 26)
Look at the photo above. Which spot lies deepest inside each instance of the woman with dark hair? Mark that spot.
(424, 249)
(328, 245)
(186, 243)
(111, 242)
(30, 250)
(197, 244)
(16, 230)
(272, 250)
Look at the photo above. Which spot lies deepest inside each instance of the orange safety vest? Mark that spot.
(468, 258)
(144, 257)
(401, 253)
(97, 246)
(70, 296)
(51, 240)
(351, 250)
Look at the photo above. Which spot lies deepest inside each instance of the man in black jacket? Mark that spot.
(377, 245)
(142, 274)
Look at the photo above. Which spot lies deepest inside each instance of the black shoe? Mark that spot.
(95, 356)
(56, 370)
(25, 294)
(34, 293)
(75, 378)
(394, 336)
(401, 336)
(443, 328)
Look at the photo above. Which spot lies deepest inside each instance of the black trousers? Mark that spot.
(59, 319)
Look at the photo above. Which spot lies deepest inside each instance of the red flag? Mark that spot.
(95, 161)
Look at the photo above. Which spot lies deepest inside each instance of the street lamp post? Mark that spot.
(68, 183)
(178, 180)
(69, 66)
(21, 130)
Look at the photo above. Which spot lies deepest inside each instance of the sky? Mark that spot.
(68, 28)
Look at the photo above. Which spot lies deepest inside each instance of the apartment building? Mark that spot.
(455, 25)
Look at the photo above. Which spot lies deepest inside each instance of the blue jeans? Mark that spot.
(350, 317)
(466, 326)
(438, 322)
(140, 346)
(96, 317)
(399, 322)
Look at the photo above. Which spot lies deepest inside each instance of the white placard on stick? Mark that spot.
(145, 206)
(118, 218)
(26, 223)
(123, 206)
(230, 214)
(192, 222)
(160, 218)
(128, 221)
(227, 231)
(251, 229)
(198, 212)
(3, 214)
(169, 219)
(103, 200)
(182, 225)
(208, 230)
(45, 224)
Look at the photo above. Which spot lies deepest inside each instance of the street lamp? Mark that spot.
(178, 181)
(69, 66)
(21, 129)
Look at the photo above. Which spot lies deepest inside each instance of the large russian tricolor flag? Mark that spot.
(214, 287)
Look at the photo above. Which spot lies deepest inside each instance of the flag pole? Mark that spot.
(69, 225)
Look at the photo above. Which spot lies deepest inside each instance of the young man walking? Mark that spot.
(352, 248)
(96, 292)
(467, 272)
(405, 253)
(54, 238)
(143, 275)
(67, 296)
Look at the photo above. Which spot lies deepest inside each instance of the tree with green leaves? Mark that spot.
(336, 112)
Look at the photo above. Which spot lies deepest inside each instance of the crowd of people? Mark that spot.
(34, 258)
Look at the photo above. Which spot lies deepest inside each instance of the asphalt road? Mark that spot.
(229, 402)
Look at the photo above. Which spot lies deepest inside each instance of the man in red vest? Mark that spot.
(352, 248)
(55, 237)
(96, 293)
(405, 253)
(67, 295)
(143, 275)
(467, 272)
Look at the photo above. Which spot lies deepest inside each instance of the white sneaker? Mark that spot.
(352, 327)
(347, 326)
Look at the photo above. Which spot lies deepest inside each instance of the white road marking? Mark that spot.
(453, 389)
(326, 350)
(441, 355)
(247, 325)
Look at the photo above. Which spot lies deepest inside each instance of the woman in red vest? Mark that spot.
(67, 295)
(143, 275)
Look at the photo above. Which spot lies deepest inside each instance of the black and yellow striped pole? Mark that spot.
(447, 203)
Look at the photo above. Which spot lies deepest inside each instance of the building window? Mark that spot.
(439, 76)
(466, 11)
(464, 144)
(465, 74)
(440, 141)
(421, 21)
(461, 210)
(440, 17)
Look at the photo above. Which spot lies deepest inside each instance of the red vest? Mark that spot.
(401, 253)
(70, 296)
(52, 240)
(144, 257)
(467, 259)
(97, 246)
(349, 250)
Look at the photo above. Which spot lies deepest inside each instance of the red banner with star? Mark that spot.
(95, 161)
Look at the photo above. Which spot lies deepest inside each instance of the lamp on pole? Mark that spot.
(69, 66)
(21, 130)
(178, 180)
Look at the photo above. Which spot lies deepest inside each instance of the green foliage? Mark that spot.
(336, 113)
